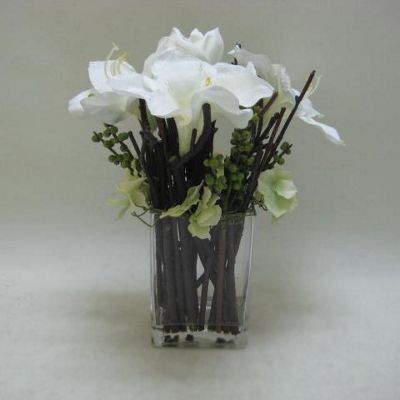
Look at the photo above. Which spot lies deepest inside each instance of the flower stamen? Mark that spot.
(112, 51)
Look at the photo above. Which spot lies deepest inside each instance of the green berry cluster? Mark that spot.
(285, 149)
(215, 178)
(236, 175)
(110, 137)
(125, 160)
(241, 160)
(241, 143)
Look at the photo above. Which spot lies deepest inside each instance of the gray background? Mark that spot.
(325, 305)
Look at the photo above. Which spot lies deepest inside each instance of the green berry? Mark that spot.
(125, 163)
(281, 161)
(123, 136)
(233, 168)
(221, 179)
(250, 161)
(136, 164)
(246, 135)
(285, 146)
(236, 134)
(113, 129)
(210, 180)
(243, 159)
(213, 163)
(248, 147)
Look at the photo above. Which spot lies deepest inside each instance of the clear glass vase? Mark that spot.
(199, 286)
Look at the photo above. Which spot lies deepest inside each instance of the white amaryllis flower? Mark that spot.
(276, 74)
(208, 47)
(101, 101)
(179, 84)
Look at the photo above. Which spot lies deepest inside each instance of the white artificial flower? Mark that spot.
(207, 215)
(101, 101)
(278, 192)
(178, 85)
(208, 47)
(134, 192)
(192, 198)
(277, 75)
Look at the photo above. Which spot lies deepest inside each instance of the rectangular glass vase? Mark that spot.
(199, 286)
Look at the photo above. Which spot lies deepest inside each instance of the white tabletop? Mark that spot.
(74, 317)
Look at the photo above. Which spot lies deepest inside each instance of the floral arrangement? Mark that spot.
(170, 165)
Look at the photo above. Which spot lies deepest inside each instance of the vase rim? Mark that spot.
(248, 213)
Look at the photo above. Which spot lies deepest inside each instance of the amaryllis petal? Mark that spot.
(243, 82)
(100, 73)
(329, 131)
(207, 47)
(137, 85)
(108, 107)
(75, 106)
(260, 61)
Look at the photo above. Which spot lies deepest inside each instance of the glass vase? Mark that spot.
(199, 286)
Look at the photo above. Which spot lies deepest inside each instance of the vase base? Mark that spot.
(198, 339)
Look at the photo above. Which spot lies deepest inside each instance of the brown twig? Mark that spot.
(134, 143)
